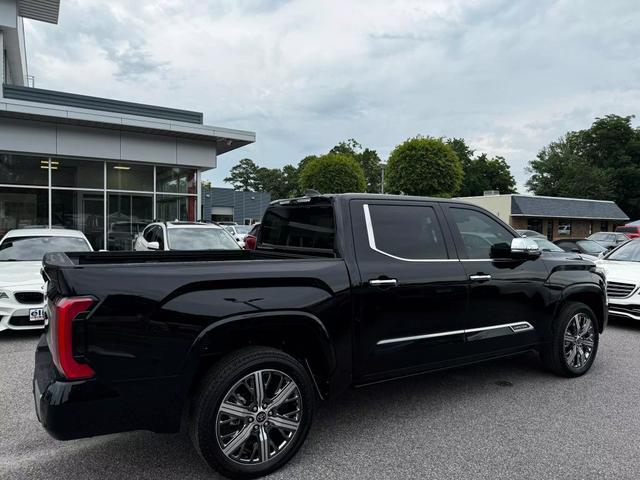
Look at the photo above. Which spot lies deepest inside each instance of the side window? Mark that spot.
(148, 233)
(158, 236)
(479, 232)
(409, 232)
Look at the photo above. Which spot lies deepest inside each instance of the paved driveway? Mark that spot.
(500, 420)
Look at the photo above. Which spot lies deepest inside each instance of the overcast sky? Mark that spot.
(508, 76)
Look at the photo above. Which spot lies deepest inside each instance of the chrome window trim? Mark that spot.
(372, 243)
(512, 326)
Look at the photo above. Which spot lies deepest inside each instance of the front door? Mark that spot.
(412, 294)
(507, 305)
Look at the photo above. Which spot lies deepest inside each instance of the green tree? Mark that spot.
(481, 173)
(560, 171)
(243, 175)
(270, 180)
(423, 166)
(368, 160)
(601, 162)
(290, 178)
(333, 173)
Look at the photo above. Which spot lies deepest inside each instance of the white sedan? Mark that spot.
(622, 269)
(22, 298)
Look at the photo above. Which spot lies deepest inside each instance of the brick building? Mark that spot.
(555, 217)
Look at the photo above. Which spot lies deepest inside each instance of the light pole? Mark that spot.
(383, 165)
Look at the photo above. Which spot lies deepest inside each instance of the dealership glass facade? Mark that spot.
(111, 202)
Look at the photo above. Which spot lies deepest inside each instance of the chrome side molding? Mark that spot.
(515, 327)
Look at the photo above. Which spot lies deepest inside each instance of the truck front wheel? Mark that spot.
(574, 341)
(252, 412)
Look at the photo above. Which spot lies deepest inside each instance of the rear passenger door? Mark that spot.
(507, 304)
(412, 294)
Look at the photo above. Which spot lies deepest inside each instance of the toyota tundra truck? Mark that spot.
(342, 291)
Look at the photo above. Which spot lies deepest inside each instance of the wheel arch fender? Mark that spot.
(591, 295)
(300, 334)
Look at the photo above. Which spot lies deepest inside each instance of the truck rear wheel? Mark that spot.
(252, 412)
(574, 341)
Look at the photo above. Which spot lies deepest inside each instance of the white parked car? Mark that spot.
(22, 299)
(239, 232)
(622, 269)
(184, 236)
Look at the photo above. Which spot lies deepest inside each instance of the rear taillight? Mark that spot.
(62, 314)
(250, 242)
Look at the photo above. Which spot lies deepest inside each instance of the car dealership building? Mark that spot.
(101, 166)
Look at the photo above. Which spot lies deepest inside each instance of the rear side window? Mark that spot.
(627, 229)
(479, 232)
(407, 232)
(299, 226)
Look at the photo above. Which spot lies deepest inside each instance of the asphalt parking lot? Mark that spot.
(500, 420)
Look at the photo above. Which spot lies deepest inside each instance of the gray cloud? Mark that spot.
(507, 76)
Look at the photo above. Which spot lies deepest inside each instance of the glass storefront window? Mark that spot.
(176, 207)
(23, 207)
(24, 170)
(77, 173)
(128, 215)
(175, 180)
(128, 176)
(82, 211)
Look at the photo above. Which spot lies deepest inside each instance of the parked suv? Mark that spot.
(184, 236)
(239, 344)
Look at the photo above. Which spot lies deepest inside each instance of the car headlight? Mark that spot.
(3, 295)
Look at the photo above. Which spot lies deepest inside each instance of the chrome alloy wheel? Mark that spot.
(259, 417)
(579, 340)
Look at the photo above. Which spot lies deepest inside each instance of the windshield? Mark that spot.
(546, 246)
(589, 246)
(201, 239)
(629, 252)
(243, 229)
(34, 248)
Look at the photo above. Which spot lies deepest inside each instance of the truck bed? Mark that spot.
(70, 259)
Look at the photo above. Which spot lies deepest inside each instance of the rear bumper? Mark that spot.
(86, 408)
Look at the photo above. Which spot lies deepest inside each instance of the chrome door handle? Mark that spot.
(480, 278)
(386, 282)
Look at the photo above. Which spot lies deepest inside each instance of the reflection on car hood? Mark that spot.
(626, 272)
(569, 256)
(13, 274)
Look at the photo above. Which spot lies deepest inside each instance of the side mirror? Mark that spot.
(153, 246)
(576, 250)
(524, 248)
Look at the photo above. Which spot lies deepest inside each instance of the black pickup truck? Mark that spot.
(342, 290)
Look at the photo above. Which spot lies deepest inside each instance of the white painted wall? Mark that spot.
(499, 205)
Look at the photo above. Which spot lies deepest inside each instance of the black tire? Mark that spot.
(216, 385)
(553, 355)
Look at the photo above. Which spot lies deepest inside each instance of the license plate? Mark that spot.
(37, 315)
